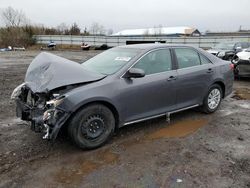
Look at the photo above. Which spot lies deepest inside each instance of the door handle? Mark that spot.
(172, 78)
(210, 70)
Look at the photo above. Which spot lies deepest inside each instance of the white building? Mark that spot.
(163, 31)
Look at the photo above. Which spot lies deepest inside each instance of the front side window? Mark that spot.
(155, 62)
(187, 57)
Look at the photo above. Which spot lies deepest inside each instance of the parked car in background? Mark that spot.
(101, 47)
(241, 62)
(85, 46)
(50, 46)
(10, 48)
(118, 87)
(6, 49)
(226, 51)
(19, 48)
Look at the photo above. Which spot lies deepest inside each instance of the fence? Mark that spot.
(203, 41)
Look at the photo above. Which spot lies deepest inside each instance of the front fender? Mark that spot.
(71, 107)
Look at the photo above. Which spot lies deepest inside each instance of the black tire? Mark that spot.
(206, 107)
(92, 126)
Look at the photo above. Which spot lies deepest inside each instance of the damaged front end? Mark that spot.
(41, 109)
(47, 81)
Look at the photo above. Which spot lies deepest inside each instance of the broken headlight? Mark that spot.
(17, 91)
(55, 102)
(52, 114)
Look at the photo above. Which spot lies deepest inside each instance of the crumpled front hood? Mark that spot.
(48, 71)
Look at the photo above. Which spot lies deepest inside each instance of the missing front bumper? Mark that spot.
(47, 121)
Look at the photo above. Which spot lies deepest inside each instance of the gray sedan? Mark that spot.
(118, 87)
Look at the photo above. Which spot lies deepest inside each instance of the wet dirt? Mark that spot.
(202, 150)
(76, 174)
(242, 94)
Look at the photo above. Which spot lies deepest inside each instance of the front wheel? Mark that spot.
(213, 99)
(92, 126)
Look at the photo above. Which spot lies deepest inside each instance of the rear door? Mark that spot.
(153, 94)
(194, 74)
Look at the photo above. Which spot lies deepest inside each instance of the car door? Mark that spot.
(152, 94)
(194, 74)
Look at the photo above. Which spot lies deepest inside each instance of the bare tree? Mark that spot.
(146, 32)
(85, 32)
(110, 32)
(101, 30)
(62, 28)
(13, 17)
(97, 29)
(160, 29)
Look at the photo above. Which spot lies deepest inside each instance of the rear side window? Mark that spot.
(187, 57)
(204, 60)
(155, 62)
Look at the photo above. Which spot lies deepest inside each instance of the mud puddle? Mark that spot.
(179, 129)
(75, 174)
(175, 130)
(242, 94)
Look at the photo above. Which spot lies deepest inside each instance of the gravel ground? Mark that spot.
(194, 150)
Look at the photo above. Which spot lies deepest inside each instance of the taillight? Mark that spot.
(232, 66)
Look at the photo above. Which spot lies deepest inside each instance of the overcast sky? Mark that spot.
(216, 15)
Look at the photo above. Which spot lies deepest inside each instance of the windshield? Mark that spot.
(111, 60)
(224, 46)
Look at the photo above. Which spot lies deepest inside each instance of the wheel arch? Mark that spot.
(222, 85)
(108, 104)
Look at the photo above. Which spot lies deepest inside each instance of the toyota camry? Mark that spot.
(118, 87)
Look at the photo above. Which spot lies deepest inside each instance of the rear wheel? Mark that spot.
(92, 126)
(213, 99)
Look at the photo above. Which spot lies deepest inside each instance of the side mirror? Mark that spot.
(135, 73)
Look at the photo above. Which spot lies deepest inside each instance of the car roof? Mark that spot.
(152, 46)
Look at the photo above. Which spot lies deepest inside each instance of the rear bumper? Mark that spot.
(228, 81)
(228, 90)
